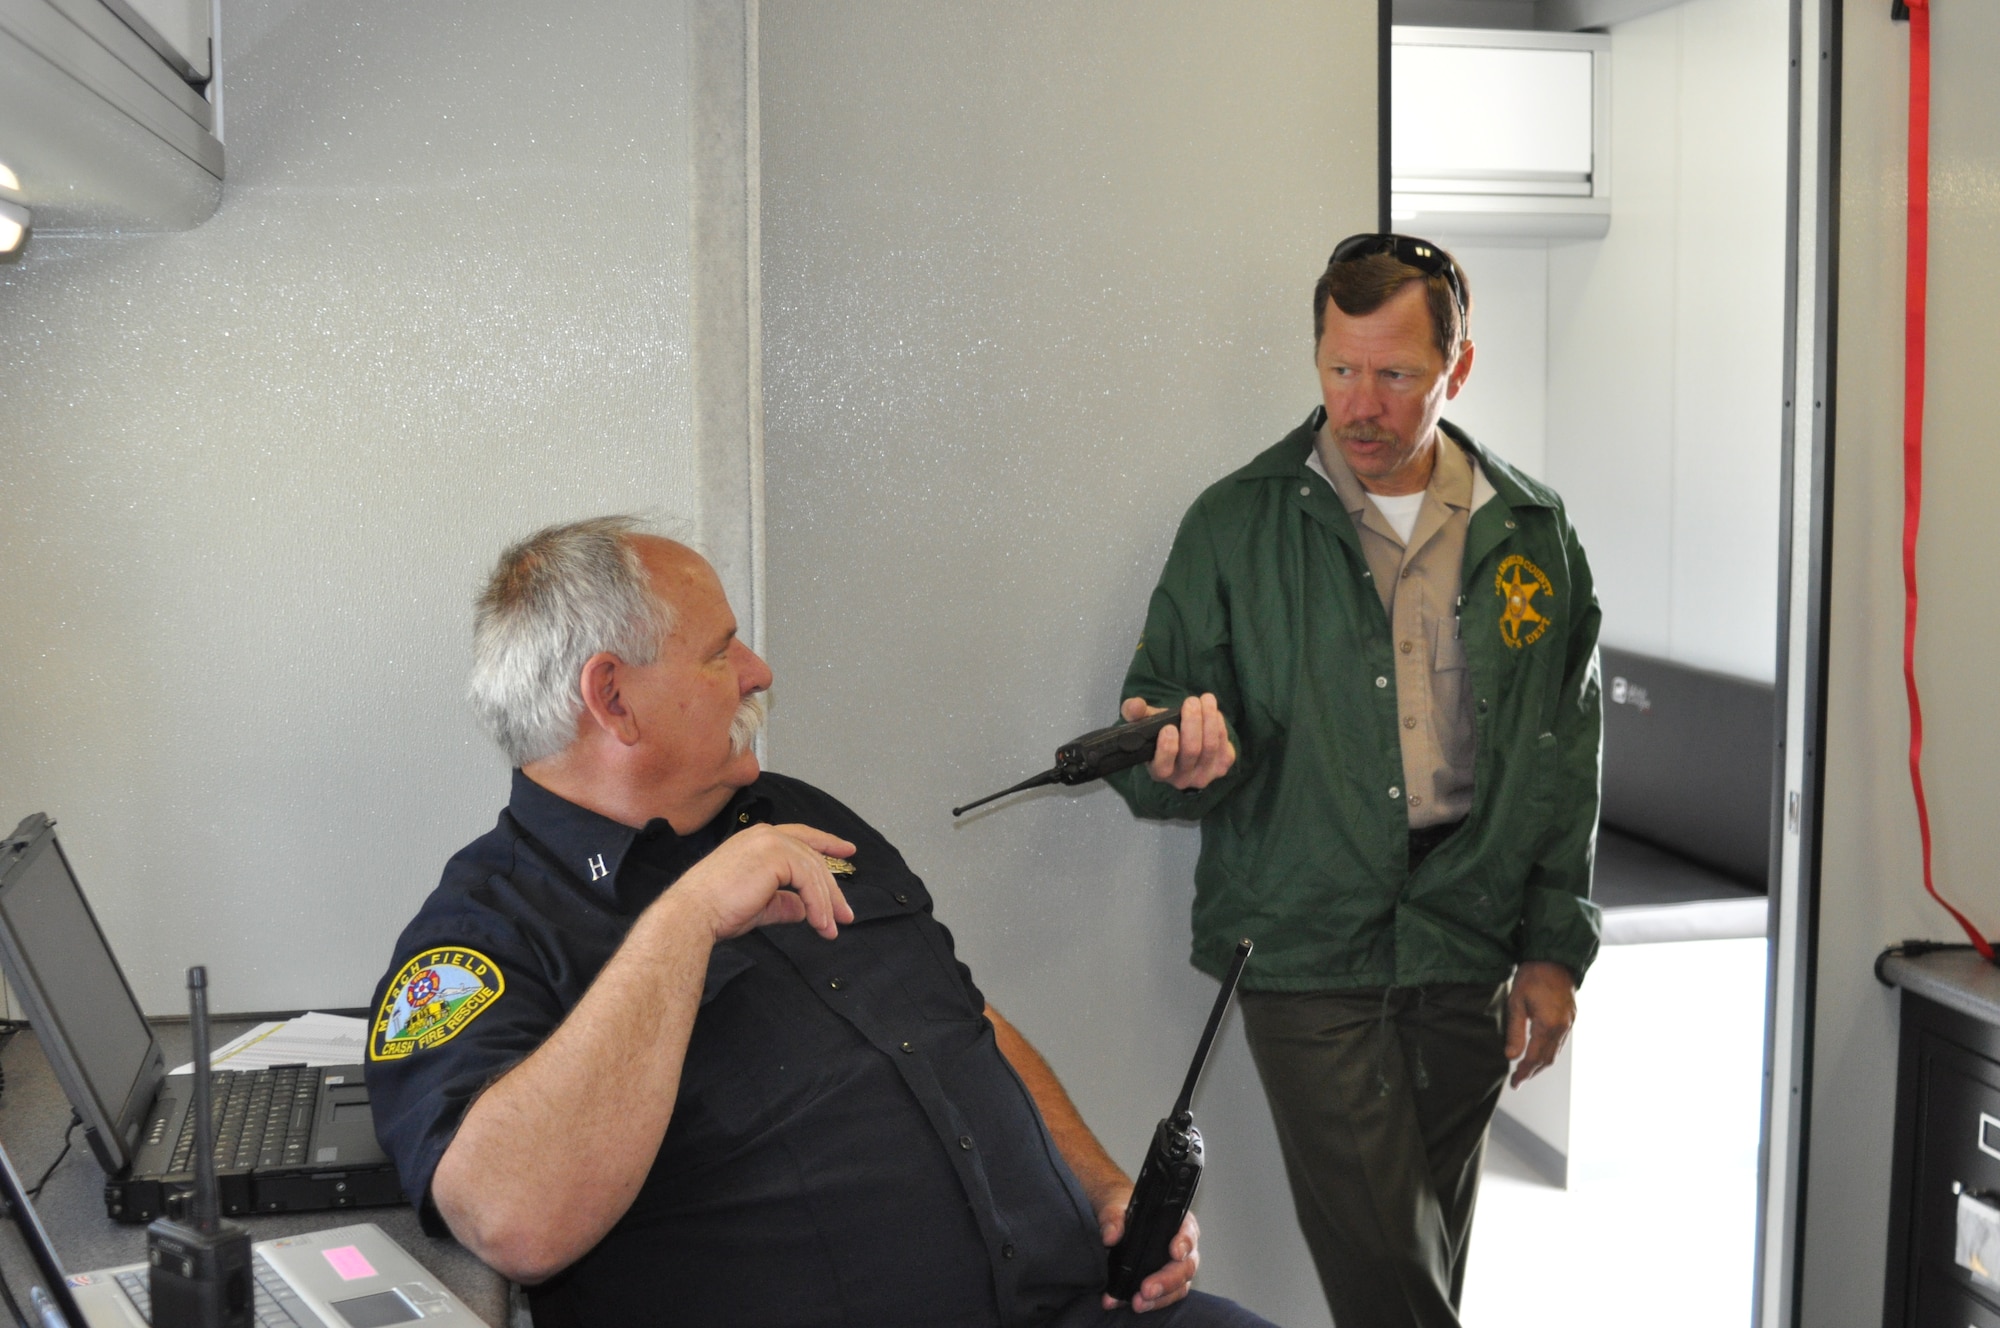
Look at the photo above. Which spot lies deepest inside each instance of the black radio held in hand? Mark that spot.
(1172, 1169)
(1096, 754)
(200, 1269)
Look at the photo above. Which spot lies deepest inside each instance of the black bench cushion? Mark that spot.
(1631, 873)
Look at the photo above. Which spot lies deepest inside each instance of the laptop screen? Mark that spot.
(69, 972)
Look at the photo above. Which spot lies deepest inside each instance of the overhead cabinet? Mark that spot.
(108, 113)
(1499, 134)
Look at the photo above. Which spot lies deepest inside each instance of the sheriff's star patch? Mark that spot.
(432, 999)
(1517, 583)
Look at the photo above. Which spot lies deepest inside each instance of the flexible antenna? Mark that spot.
(1046, 777)
(1184, 1104)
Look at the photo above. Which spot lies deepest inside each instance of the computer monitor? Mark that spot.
(77, 1000)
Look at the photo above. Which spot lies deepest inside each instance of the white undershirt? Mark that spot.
(1399, 510)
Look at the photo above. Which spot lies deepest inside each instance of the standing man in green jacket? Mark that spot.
(1383, 640)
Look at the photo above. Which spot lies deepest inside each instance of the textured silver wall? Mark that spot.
(1034, 275)
(1871, 891)
(253, 472)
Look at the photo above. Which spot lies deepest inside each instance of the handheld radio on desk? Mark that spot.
(1172, 1169)
(200, 1270)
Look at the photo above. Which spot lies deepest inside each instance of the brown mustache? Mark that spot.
(1363, 433)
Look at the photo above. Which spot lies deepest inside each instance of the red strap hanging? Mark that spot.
(1914, 299)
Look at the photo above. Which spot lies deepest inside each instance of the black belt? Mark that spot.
(1424, 842)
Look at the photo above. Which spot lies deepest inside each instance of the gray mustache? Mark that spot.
(748, 723)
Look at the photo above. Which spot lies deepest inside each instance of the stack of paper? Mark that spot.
(311, 1039)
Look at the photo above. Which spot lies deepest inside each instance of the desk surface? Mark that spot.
(33, 1113)
(1957, 979)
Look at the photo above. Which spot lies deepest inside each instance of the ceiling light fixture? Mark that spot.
(14, 220)
(9, 180)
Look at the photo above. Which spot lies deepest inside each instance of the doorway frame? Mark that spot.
(1812, 256)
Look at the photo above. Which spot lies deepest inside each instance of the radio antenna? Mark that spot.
(1184, 1104)
(207, 1209)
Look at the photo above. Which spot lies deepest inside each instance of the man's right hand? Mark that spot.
(768, 874)
(1194, 755)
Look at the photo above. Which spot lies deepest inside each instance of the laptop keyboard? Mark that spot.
(263, 1118)
(274, 1304)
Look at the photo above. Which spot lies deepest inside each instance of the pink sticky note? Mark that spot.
(349, 1262)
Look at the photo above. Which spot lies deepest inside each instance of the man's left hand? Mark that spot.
(1196, 751)
(1170, 1283)
(1540, 1010)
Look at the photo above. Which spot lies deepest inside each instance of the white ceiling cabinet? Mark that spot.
(1498, 134)
(106, 127)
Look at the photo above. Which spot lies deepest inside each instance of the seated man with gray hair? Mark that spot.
(679, 1039)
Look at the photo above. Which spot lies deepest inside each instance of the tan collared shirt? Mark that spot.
(1419, 585)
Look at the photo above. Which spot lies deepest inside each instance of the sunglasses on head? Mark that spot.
(1408, 250)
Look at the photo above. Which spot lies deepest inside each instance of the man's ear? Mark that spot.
(1461, 369)
(603, 673)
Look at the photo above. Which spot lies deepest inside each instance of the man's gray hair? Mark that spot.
(558, 597)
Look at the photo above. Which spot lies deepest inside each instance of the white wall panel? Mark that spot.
(254, 472)
(1666, 341)
(1033, 276)
(1504, 404)
(1729, 334)
(1611, 350)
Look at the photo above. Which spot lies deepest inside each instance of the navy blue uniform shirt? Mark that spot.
(848, 1145)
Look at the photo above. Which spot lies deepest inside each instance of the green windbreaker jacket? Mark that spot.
(1267, 601)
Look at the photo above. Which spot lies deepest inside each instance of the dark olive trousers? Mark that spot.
(1381, 1099)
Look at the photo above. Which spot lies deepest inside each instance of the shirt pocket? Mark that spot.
(1451, 692)
(922, 968)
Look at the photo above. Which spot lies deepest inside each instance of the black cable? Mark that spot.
(7, 1293)
(8, 1028)
(35, 1192)
(1915, 949)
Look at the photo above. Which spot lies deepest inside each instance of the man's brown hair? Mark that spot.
(1360, 286)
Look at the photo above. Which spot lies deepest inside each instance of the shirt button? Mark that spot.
(1395, 792)
(1007, 1250)
(902, 899)
(1416, 800)
(1405, 575)
(1381, 682)
(1408, 647)
(837, 984)
(909, 1050)
(965, 1142)
(1510, 525)
(1305, 491)
(1409, 721)
(743, 818)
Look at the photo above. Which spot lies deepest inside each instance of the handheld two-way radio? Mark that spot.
(1172, 1169)
(200, 1270)
(1096, 754)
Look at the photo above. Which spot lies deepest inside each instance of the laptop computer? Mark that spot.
(289, 1138)
(344, 1277)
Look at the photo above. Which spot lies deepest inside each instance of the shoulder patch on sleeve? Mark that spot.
(434, 996)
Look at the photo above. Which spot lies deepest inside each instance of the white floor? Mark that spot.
(1658, 1222)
